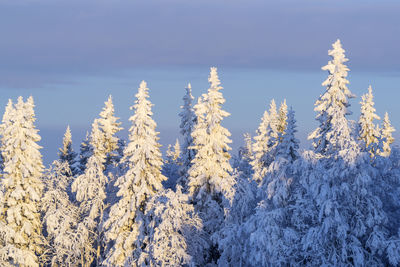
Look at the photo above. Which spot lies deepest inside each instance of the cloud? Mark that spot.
(42, 40)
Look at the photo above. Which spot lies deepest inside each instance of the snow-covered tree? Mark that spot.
(90, 189)
(282, 117)
(172, 165)
(21, 240)
(85, 152)
(174, 232)
(368, 132)
(245, 155)
(210, 167)
(386, 135)
(266, 140)
(188, 121)
(61, 217)
(109, 125)
(333, 133)
(232, 237)
(260, 148)
(6, 122)
(67, 154)
(210, 179)
(275, 122)
(267, 237)
(143, 179)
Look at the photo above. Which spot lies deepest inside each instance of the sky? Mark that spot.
(70, 55)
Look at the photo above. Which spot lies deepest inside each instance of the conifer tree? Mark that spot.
(266, 141)
(268, 240)
(274, 122)
(109, 125)
(188, 121)
(143, 178)
(175, 235)
(21, 241)
(6, 122)
(333, 133)
(260, 148)
(210, 167)
(61, 217)
(172, 165)
(210, 180)
(85, 152)
(386, 135)
(90, 188)
(369, 133)
(67, 154)
(282, 117)
(242, 162)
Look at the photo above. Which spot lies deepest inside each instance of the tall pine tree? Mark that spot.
(333, 133)
(21, 241)
(141, 181)
(368, 134)
(67, 154)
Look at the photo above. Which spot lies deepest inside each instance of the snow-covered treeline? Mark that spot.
(120, 203)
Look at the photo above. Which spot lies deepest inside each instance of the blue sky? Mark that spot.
(70, 55)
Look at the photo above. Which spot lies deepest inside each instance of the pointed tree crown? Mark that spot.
(334, 133)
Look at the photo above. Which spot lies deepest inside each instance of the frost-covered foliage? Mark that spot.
(210, 181)
(90, 189)
(346, 225)
(337, 204)
(143, 178)
(267, 138)
(210, 167)
(6, 122)
(60, 217)
(386, 135)
(282, 117)
(174, 232)
(242, 162)
(21, 240)
(333, 133)
(261, 148)
(268, 239)
(188, 121)
(232, 237)
(368, 133)
(67, 154)
(109, 126)
(84, 154)
(172, 165)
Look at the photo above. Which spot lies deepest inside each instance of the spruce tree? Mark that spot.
(60, 217)
(266, 140)
(368, 134)
(210, 180)
(174, 232)
(261, 148)
(6, 122)
(85, 152)
(386, 135)
(171, 165)
(109, 125)
(210, 167)
(282, 117)
(67, 154)
(143, 179)
(333, 133)
(21, 241)
(188, 121)
(268, 239)
(242, 162)
(90, 189)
